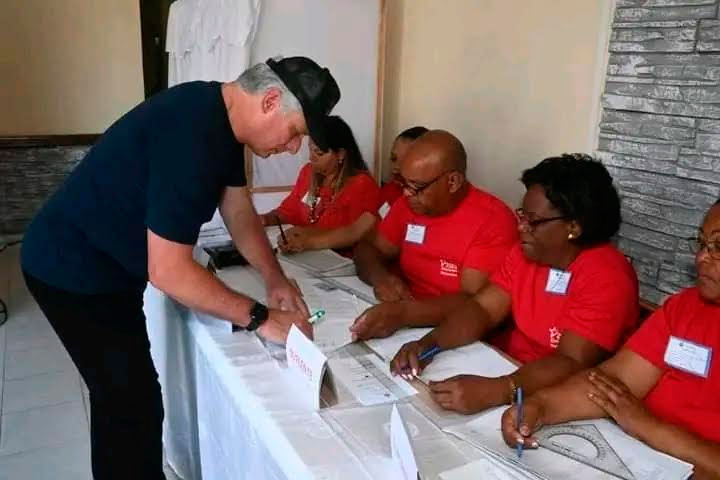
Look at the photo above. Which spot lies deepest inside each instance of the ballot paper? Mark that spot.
(368, 379)
(474, 359)
(643, 462)
(319, 261)
(332, 331)
(485, 469)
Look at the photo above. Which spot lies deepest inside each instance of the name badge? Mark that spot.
(558, 281)
(415, 233)
(688, 356)
(384, 209)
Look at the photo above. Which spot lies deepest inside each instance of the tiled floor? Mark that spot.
(44, 412)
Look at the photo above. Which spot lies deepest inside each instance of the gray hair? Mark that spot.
(260, 78)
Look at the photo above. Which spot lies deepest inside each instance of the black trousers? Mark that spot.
(106, 337)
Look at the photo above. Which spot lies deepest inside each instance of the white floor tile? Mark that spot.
(43, 427)
(41, 391)
(68, 462)
(36, 361)
(26, 335)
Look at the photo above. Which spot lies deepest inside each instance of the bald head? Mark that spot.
(438, 150)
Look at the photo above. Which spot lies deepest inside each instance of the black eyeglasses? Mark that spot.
(698, 244)
(533, 224)
(418, 190)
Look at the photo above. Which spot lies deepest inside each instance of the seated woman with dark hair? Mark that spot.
(567, 296)
(663, 386)
(332, 191)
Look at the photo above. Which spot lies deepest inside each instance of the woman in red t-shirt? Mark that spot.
(565, 297)
(663, 386)
(332, 190)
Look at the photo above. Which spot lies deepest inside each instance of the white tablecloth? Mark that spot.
(231, 413)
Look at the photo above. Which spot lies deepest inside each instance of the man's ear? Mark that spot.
(455, 180)
(271, 100)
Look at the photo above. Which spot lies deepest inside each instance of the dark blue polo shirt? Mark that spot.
(162, 166)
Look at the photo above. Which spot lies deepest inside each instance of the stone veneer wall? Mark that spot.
(27, 177)
(660, 132)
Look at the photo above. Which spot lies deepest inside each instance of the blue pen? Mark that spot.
(519, 403)
(429, 353)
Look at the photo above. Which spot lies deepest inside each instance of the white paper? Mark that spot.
(273, 233)
(645, 463)
(361, 383)
(388, 347)
(307, 365)
(321, 261)
(484, 469)
(474, 359)
(384, 367)
(401, 447)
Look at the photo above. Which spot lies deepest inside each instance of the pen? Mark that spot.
(429, 353)
(316, 316)
(519, 403)
(282, 232)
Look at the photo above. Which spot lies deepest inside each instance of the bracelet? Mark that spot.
(513, 389)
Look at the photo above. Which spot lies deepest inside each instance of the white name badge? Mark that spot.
(415, 233)
(688, 356)
(558, 281)
(384, 209)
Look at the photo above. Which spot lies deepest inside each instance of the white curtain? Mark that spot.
(210, 39)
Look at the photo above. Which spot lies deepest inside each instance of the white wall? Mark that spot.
(339, 34)
(68, 66)
(515, 80)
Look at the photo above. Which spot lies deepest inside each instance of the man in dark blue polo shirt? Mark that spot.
(131, 212)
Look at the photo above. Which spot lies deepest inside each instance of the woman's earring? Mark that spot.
(570, 236)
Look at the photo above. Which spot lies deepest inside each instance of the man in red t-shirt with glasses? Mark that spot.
(437, 246)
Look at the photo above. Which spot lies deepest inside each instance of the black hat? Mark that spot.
(315, 89)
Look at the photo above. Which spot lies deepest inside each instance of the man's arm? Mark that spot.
(372, 257)
(249, 236)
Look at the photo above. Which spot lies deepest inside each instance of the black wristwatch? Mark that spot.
(258, 315)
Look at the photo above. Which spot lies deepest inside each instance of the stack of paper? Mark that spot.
(321, 262)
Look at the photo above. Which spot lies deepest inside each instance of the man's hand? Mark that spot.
(283, 295)
(392, 289)
(626, 409)
(298, 240)
(277, 326)
(468, 394)
(379, 321)
(522, 434)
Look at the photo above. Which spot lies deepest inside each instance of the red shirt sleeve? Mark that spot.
(493, 243)
(503, 276)
(292, 209)
(652, 337)
(361, 194)
(603, 307)
(393, 226)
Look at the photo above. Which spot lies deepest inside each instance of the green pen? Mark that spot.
(316, 316)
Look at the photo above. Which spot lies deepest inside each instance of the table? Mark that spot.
(230, 412)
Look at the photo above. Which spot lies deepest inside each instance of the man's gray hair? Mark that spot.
(259, 78)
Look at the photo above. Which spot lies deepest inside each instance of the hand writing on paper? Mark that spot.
(392, 289)
(470, 393)
(284, 295)
(626, 409)
(297, 240)
(406, 362)
(277, 326)
(532, 422)
(378, 321)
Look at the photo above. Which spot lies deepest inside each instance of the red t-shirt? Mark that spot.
(360, 194)
(477, 234)
(600, 302)
(679, 397)
(390, 192)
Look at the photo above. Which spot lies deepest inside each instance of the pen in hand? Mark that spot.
(282, 232)
(519, 403)
(316, 316)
